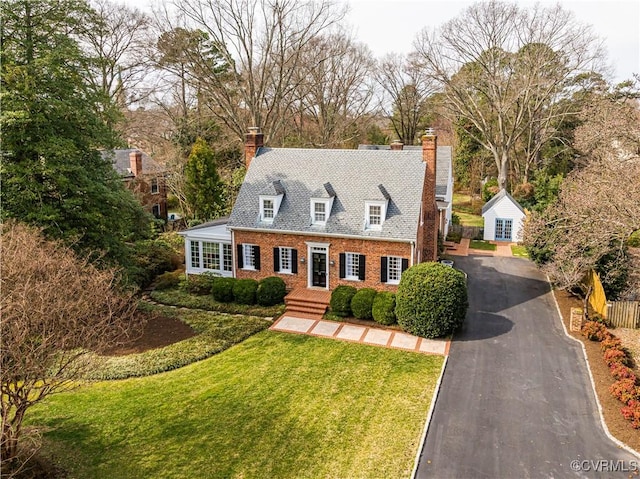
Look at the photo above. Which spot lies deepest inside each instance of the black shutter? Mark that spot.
(361, 267)
(383, 269)
(343, 265)
(294, 261)
(276, 260)
(256, 255)
(405, 264)
(240, 256)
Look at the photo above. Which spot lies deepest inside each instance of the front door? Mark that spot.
(319, 271)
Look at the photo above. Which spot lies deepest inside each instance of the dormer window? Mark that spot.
(319, 212)
(374, 215)
(267, 210)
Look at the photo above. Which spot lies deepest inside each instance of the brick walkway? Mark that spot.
(361, 334)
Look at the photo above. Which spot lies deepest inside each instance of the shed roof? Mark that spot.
(502, 194)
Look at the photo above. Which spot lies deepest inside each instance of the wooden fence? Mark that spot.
(472, 232)
(624, 314)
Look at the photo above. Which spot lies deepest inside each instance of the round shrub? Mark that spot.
(432, 300)
(384, 308)
(271, 291)
(222, 289)
(341, 300)
(362, 303)
(244, 291)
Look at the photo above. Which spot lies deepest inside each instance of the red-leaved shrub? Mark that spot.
(595, 331)
(625, 390)
(631, 412)
(611, 343)
(612, 356)
(620, 371)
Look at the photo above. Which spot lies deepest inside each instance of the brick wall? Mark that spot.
(372, 249)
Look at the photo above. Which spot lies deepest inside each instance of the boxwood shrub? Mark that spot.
(384, 308)
(432, 300)
(222, 289)
(340, 302)
(271, 291)
(199, 284)
(362, 303)
(244, 291)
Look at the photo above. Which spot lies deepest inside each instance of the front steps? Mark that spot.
(307, 303)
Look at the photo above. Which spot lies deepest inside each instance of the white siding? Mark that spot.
(504, 209)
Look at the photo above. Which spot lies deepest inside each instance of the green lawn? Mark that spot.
(277, 405)
(483, 245)
(467, 209)
(519, 251)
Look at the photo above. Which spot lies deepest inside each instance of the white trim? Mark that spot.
(290, 250)
(329, 235)
(367, 216)
(190, 269)
(276, 201)
(244, 256)
(348, 277)
(319, 248)
(328, 204)
(399, 259)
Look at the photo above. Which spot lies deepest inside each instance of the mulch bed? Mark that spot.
(157, 331)
(618, 426)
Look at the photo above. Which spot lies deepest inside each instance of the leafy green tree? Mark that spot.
(52, 126)
(203, 188)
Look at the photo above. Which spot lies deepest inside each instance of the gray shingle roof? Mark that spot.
(443, 163)
(354, 177)
(121, 162)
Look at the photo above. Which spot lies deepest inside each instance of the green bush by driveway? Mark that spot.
(431, 300)
(276, 406)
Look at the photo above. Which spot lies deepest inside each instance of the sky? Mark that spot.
(388, 26)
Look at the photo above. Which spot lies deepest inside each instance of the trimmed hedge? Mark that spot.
(362, 303)
(384, 308)
(222, 289)
(244, 291)
(432, 300)
(271, 291)
(341, 300)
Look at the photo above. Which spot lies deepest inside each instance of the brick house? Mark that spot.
(144, 177)
(322, 218)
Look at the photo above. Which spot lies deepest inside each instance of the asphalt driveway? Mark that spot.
(516, 399)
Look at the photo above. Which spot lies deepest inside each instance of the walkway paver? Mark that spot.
(361, 334)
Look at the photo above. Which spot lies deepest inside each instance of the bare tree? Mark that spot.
(335, 89)
(504, 70)
(264, 43)
(54, 308)
(599, 204)
(407, 87)
(120, 46)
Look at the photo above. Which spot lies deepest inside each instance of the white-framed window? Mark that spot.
(248, 256)
(352, 266)
(227, 257)
(285, 260)
(394, 269)
(374, 215)
(267, 210)
(195, 254)
(319, 212)
(211, 255)
(155, 189)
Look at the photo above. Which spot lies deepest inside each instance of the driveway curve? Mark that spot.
(516, 400)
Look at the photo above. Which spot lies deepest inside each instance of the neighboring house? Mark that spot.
(321, 218)
(503, 218)
(143, 176)
(444, 179)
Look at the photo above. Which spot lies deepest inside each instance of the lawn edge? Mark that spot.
(427, 423)
(593, 384)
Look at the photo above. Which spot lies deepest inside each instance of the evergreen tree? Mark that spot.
(203, 189)
(53, 174)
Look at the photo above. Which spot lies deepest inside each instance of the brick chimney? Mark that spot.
(135, 162)
(253, 140)
(397, 145)
(429, 221)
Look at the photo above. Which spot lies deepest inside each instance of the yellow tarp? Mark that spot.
(597, 300)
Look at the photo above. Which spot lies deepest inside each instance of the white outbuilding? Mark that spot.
(503, 218)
